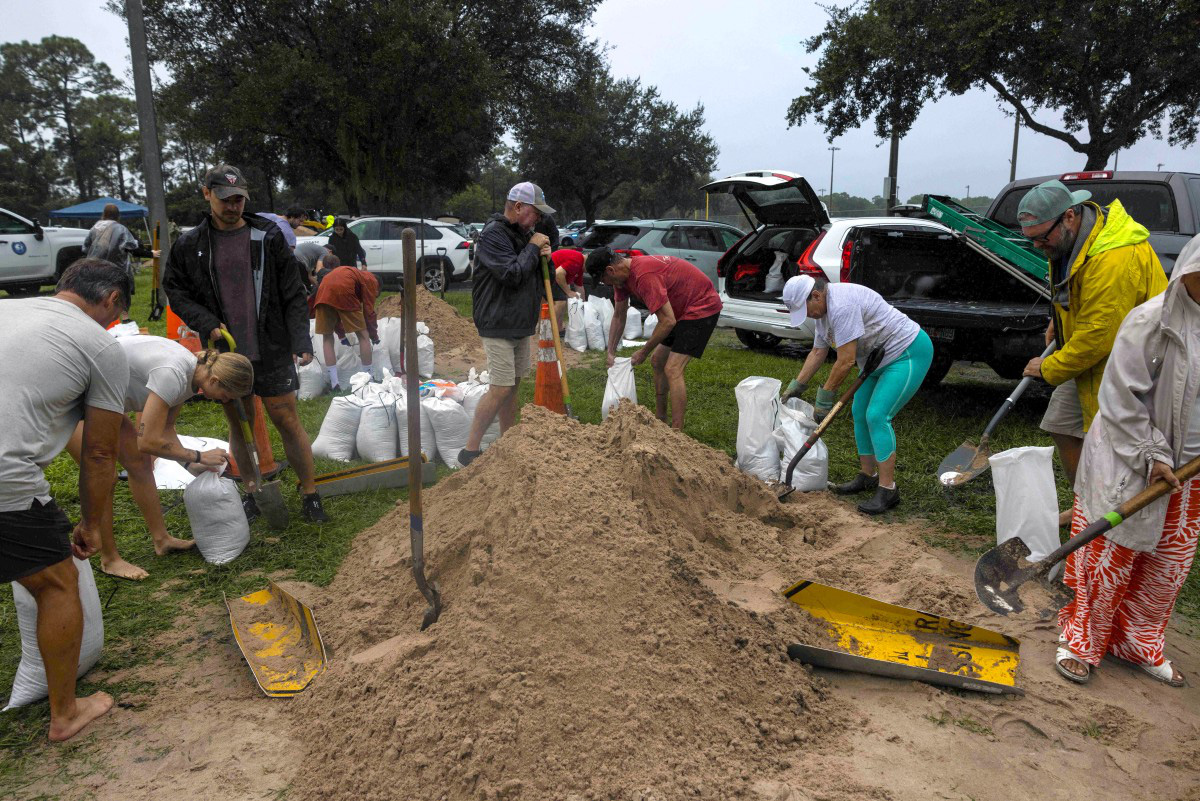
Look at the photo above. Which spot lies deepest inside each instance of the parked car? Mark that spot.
(573, 237)
(699, 241)
(443, 254)
(33, 255)
(971, 307)
(1167, 203)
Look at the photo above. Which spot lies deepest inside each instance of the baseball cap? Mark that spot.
(226, 181)
(795, 296)
(531, 195)
(1046, 201)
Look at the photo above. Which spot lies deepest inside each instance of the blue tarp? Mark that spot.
(92, 209)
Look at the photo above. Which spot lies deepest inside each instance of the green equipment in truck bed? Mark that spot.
(990, 237)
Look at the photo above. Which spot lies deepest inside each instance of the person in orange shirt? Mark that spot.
(345, 299)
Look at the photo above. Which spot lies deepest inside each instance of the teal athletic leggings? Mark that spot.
(884, 394)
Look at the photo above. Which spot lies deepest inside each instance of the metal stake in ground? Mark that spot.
(416, 525)
(562, 367)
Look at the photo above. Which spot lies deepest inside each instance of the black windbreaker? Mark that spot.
(504, 287)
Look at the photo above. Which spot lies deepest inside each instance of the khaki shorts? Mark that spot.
(1063, 414)
(508, 359)
(327, 319)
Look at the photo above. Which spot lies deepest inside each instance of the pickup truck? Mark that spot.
(32, 255)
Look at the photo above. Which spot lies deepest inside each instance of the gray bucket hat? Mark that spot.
(1046, 201)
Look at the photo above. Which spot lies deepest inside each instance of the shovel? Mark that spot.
(268, 496)
(970, 460)
(873, 360)
(562, 366)
(998, 573)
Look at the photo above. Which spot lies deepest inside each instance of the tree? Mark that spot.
(1108, 67)
(472, 204)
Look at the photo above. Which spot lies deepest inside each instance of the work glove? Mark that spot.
(374, 340)
(344, 341)
(824, 404)
(794, 390)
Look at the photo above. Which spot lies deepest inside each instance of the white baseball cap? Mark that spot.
(531, 195)
(795, 297)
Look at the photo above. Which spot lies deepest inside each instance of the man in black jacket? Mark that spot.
(235, 272)
(506, 297)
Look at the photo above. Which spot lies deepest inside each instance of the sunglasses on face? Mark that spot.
(1045, 238)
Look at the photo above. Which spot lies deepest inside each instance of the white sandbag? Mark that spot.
(774, 280)
(473, 389)
(620, 385)
(424, 356)
(595, 333)
(348, 364)
(29, 683)
(171, 475)
(605, 307)
(758, 413)
(576, 336)
(649, 325)
(796, 425)
(219, 524)
(633, 324)
(314, 380)
(1026, 499)
(338, 436)
(380, 359)
(129, 329)
(451, 426)
(376, 440)
(391, 334)
(428, 440)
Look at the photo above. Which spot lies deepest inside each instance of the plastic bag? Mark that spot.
(314, 380)
(473, 389)
(391, 334)
(1026, 499)
(129, 329)
(576, 336)
(348, 364)
(774, 280)
(796, 425)
(605, 307)
(29, 683)
(380, 358)
(218, 521)
(424, 351)
(376, 438)
(451, 426)
(633, 324)
(338, 436)
(649, 325)
(428, 439)
(620, 385)
(593, 326)
(758, 412)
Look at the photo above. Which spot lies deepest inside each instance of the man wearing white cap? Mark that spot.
(1101, 267)
(855, 320)
(506, 300)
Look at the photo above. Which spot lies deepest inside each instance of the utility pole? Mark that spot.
(1012, 170)
(968, 192)
(832, 153)
(147, 127)
(889, 183)
(1159, 167)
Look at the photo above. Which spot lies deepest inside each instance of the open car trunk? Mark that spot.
(768, 259)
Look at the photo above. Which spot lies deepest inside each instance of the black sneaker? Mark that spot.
(250, 507)
(310, 507)
(883, 500)
(860, 483)
(465, 457)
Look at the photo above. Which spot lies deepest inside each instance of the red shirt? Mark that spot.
(349, 289)
(658, 279)
(572, 262)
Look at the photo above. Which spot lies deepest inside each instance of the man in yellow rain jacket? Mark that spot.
(1101, 267)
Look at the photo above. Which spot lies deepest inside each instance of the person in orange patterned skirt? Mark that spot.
(1127, 581)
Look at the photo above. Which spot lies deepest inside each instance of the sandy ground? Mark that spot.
(206, 731)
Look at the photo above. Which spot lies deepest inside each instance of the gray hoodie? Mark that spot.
(1150, 386)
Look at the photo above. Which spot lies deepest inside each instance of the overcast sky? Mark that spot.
(744, 62)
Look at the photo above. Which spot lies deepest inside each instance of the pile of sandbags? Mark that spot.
(386, 357)
(766, 428)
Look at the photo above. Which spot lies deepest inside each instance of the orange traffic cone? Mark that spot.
(262, 440)
(547, 391)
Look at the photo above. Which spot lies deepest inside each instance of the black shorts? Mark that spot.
(556, 291)
(270, 382)
(690, 337)
(33, 539)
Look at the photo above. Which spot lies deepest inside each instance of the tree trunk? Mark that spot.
(121, 193)
(1097, 157)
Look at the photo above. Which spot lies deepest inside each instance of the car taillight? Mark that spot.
(463, 245)
(1086, 176)
(805, 263)
(847, 256)
(630, 252)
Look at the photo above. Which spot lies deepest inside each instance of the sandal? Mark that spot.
(1062, 655)
(1164, 673)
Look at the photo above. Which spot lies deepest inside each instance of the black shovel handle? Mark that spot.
(1011, 400)
(873, 360)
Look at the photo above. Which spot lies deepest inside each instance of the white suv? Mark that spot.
(32, 255)
(443, 254)
(792, 235)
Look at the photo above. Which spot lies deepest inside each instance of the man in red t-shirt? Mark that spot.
(345, 299)
(687, 307)
(568, 274)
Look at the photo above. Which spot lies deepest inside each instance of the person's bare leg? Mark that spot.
(868, 465)
(489, 406)
(328, 350)
(364, 348)
(658, 361)
(560, 316)
(676, 363)
(1069, 450)
(110, 559)
(508, 412)
(887, 471)
(140, 467)
(282, 411)
(59, 633)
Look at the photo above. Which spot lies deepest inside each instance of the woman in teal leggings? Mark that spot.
(855, 320)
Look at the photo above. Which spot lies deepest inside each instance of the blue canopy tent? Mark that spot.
(92, 209)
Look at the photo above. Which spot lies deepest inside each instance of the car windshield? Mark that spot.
(1148, 203)
(614, 236)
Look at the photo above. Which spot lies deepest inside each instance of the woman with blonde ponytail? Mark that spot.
(163, 375)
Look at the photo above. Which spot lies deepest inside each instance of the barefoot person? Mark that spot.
(1126, 582)
(40, 407)
(855, 320)
(163, 375)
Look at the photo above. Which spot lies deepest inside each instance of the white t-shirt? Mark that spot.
(54, 360)
(855, 312)
(157, 365)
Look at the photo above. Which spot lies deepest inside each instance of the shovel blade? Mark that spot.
(269, 498)
(998, 574)
(968, 461)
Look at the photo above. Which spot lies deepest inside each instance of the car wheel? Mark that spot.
(24, 290)
(66, 257)
(757, 340)
(1008, 367)
(943, 360)
(434, 277)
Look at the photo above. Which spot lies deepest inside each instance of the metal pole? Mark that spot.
(416, 467)
(144, 93)
(1012, 170)
(832, 153)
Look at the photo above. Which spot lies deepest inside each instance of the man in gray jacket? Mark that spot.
(1148, 425)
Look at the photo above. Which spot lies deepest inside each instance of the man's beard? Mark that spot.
(1066, 243)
